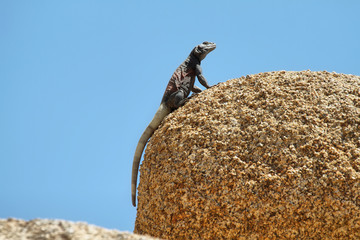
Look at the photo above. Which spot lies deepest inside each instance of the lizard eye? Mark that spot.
(205, 43)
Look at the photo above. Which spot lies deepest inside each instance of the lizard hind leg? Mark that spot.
(176, 99)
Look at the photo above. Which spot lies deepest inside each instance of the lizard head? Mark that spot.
(201, 50)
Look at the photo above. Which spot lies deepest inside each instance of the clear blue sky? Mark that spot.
(80, 80)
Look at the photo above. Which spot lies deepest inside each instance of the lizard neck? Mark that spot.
(192, 60)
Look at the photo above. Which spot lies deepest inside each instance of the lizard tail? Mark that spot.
(160, 114)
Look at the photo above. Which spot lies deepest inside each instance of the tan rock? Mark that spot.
(272, 155)
(45, 229)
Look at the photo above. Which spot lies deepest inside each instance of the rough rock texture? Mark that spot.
(43, 229)
(272, 155)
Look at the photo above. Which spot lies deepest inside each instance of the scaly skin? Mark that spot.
(178, 89)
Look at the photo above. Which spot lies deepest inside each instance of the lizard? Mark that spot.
(178, 89)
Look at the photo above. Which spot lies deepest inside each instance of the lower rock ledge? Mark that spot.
(14, 229)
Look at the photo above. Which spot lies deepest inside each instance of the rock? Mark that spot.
(44, 229)
(271, 155)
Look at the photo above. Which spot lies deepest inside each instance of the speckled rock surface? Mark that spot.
(272, 155)
(45, 229)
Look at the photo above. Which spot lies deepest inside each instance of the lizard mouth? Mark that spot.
(213, 47)
(210, 47)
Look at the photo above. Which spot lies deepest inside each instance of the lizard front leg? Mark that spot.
(200, 77)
